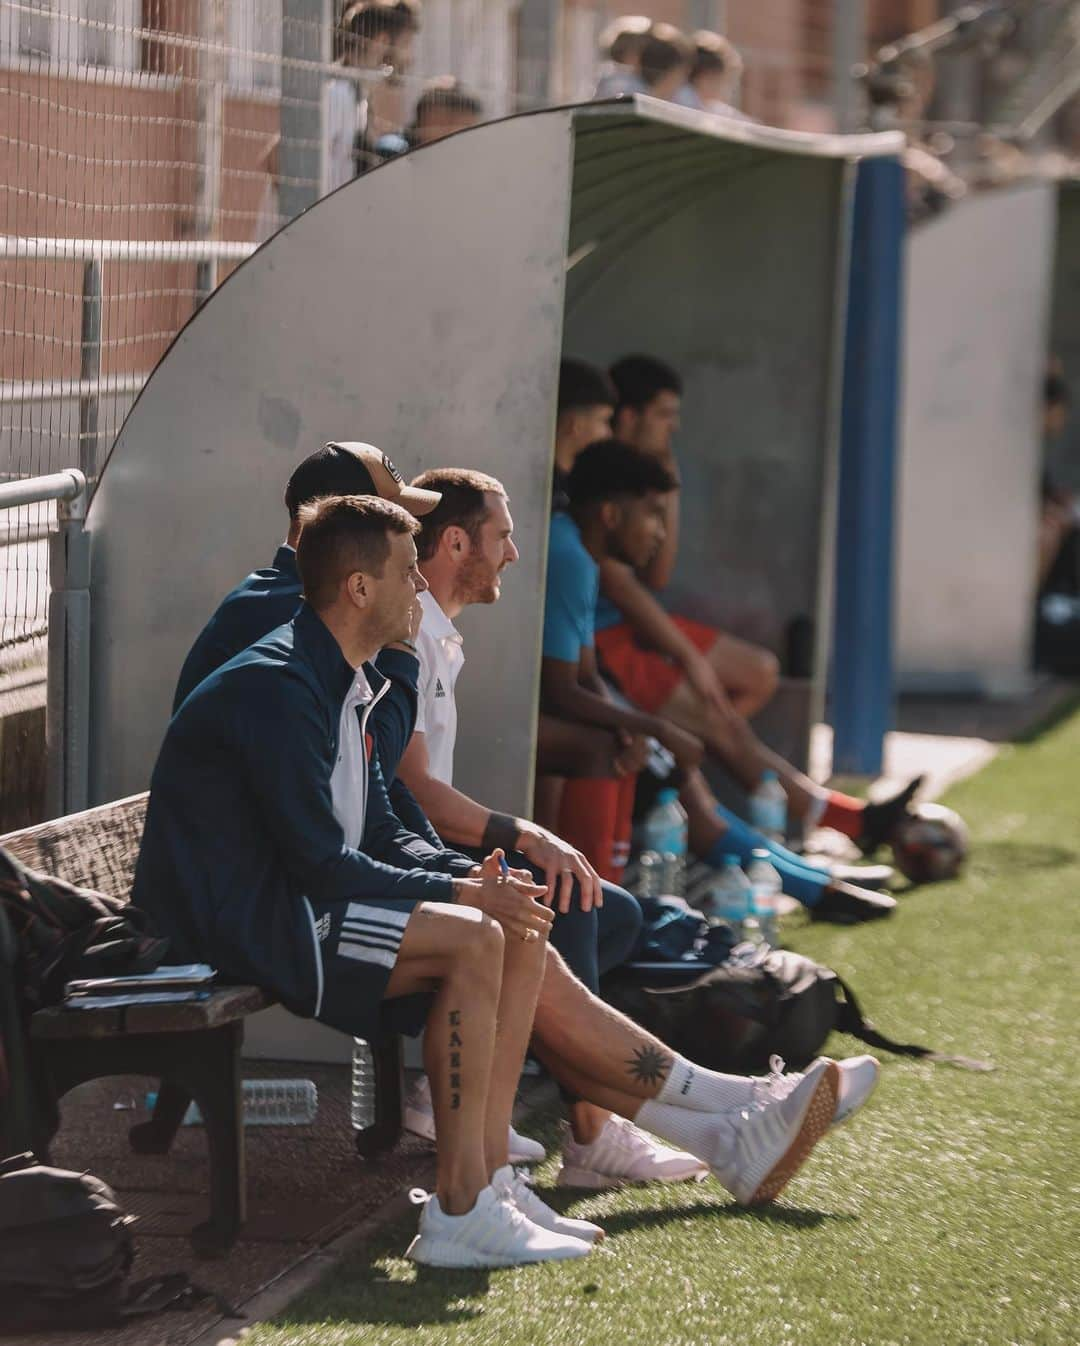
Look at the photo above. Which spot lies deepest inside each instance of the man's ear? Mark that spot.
(358, 588)
(610, 514)
(456, 541)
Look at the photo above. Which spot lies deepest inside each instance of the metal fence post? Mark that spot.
(90, 369)
(67, 707)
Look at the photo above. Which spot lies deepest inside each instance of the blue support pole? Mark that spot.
(862, 675)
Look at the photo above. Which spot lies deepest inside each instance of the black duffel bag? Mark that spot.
(736, 1016)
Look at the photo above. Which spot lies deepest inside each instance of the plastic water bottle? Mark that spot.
(650, 874)
(362, 1101)
(266, 1103)
(767, 887)
(730, 897)
(664, 831)
(768, 807)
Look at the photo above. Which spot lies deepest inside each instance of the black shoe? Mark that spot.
(844, 904)
(879, 820)
(863, 876)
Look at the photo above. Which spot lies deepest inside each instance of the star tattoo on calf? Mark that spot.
(649, 1065)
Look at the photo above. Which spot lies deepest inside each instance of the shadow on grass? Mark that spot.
(792, 1217)
(362, 1292)
(1002, 856)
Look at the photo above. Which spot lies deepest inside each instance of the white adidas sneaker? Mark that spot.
(420, 1120)
(858, 1079)
(765, 1145)
(516, 1188)
(624, 1153)
(493, 1234)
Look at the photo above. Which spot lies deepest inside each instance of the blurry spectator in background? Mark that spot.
(666, 60)
(620, 49)
(445, 106)
(1058, 618)
(376, 36)
(714, 75)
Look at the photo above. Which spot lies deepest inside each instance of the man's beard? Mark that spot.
(476, 583)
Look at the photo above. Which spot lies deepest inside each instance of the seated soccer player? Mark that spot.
(688, 673)
(261, 855)
(259, 804)
(586, 404)
(464, 545)
(617, 511)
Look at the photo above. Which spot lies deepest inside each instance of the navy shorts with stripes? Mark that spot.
(359, 944)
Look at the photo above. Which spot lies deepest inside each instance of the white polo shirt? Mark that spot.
(439, 649)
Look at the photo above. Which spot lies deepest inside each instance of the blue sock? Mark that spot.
(801, 881)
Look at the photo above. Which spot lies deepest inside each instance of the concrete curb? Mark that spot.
(279, 1293)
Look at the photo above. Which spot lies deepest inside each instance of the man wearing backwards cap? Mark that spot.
(269, 597)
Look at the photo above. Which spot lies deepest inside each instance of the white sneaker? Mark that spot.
(624, 1153)
(514, 1186)
(493, 1234)
(769, 1142)
(858, 1079)
(420, 1120)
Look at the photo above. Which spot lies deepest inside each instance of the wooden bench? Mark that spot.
(193, 1048)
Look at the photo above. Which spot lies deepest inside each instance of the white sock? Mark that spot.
(694, 1087)
(707, 1137)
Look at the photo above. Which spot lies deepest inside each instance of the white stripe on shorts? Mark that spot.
(365, 911)
(362, 953)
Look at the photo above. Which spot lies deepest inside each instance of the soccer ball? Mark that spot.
(930, 843)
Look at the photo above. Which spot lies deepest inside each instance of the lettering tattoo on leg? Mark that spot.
(455, 1059)
(649, 1065)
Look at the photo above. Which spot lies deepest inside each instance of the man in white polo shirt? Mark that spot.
(463, 550)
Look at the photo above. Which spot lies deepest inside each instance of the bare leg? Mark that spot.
(705, 826)
(732, 742)
(565, 749)
(749, 674)
(586, 1120)
(456, 951)
(599, 1054)
(523, 971)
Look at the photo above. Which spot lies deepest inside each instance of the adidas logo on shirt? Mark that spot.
(322, 927)
(440, 690)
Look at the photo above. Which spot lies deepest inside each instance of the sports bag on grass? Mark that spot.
(735, 1017)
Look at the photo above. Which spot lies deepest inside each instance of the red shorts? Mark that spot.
(646, 677)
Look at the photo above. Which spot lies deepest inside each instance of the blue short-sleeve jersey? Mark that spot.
(573, 586)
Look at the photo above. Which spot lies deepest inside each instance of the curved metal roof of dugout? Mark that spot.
(424, 308)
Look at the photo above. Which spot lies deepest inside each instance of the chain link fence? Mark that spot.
(146, 146)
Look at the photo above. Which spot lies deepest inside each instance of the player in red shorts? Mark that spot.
(701, 679)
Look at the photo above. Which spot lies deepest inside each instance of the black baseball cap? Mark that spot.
(351, 468)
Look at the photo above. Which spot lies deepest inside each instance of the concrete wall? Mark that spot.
(977, 299)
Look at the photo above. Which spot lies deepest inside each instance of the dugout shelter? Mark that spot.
(424, 308)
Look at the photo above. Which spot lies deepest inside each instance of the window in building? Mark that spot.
(100, 33)
(254, 40)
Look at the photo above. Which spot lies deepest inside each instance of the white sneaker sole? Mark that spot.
(859, 1103)
(816, 1121)
(589, 1180)
(455, 1257)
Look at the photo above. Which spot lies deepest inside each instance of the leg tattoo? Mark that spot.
(455, 1059)
(649, 1065)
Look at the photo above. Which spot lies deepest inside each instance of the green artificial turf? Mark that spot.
(945, 1213)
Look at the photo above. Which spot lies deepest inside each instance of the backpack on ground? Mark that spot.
(65, 1253)
(734, 1017)
(65, 1248)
